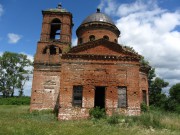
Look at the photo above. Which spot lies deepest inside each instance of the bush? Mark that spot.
(148, 120)
(15, 101)
(114, 119)
(177, 109)
(144, 107)
(97, 113)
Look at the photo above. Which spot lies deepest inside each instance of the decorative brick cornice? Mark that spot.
(100, 57)
(47, 66)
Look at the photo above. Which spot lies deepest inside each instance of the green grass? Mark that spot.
(16, 120)
(15, 101)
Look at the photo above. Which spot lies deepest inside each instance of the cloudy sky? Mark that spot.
(151, 27)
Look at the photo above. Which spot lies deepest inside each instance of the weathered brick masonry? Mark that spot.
(96, 72)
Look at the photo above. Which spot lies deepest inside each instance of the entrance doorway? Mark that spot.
(99, 97)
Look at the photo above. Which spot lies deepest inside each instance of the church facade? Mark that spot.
(97, 72)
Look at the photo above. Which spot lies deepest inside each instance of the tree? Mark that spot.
(13, 68)
(156, 97)
(173, 103)
(175, 92)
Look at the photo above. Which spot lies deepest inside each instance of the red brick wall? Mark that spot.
(101, 50)
(99, 33)
(98, 73)
(144, 85)
(45, 89)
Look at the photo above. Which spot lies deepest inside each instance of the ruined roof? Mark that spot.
(98, 17)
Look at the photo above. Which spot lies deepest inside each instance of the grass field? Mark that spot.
(16, 120)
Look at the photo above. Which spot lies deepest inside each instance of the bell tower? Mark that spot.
(55, 40)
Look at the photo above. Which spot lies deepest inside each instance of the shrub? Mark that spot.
(97, 113)
(144, 107)
(15, 101)
(177, 109)
(149, 120)
(114, 119)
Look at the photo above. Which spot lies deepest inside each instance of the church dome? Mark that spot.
(96, 26)
(98, 17)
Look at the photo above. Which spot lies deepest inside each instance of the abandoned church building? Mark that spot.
(96, 72)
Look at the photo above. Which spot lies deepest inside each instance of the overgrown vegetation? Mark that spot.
(173, 102)
(159, 99)
(114, 119)
(17, 120)
(97, 113)
(144, 107)
(15, 101)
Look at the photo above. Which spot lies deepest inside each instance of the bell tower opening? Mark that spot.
(55, 29)
(52, 50)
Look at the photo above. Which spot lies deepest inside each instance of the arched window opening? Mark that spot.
(52, 50)
(55, 29)
(115, 40)
(92, 38)
(57, 36)
(45, 50)
(80, 40)
(106, 37)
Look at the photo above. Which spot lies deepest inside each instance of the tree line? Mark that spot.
(157, 98)
(14, 73)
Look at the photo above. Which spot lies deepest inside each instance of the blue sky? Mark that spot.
(151, 27)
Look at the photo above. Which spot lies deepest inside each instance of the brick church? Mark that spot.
(96, 72)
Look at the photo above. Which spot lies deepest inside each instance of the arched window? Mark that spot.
(115, 40)
(55, 29)
(80, 40)
(92, 38)
(106, 37)
(52, 50)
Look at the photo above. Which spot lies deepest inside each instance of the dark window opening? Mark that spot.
(77, 96)
(99, 97)
(55, 29)
(115, 40)
(106, 37)
(122, 97)
(144, 96)
(80, 40)
(52, 50)
(92, 38)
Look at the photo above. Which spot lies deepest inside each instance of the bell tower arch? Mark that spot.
(55, 39)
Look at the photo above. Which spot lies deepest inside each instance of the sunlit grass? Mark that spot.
(17, 120)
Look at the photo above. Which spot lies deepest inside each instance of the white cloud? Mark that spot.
(1, 10)
(74, 41)
(150, 30)
(110, 7)
(13, 38)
